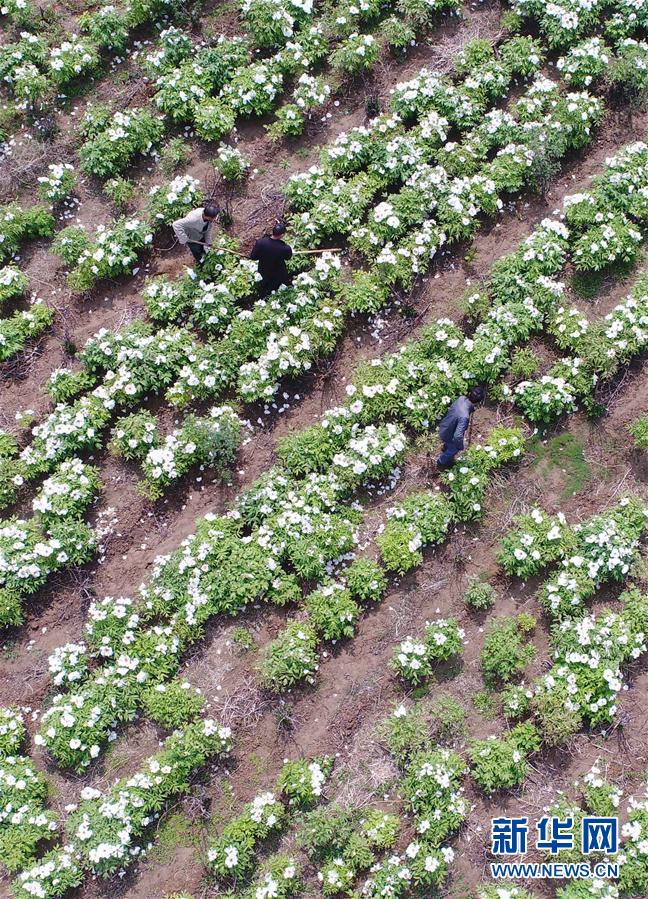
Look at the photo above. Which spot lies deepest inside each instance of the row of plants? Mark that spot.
(115, 250)
(25, 822)
(502, 763)
(606, 229)
(427, 108)
(103, 835)
(580, 689)
(565, 25)
(175, 44)
(124, 135)
(259, 333)
(74, 243)
(39, 71)
(330, 206)
(430, 785)
(107, 830)
(601, 348)
(334, 607)
(601, 549)
(55, 537)
(586, 677)
(18, 225)
(129, 365)
(458, 205)
(424, 105)
(213, 87)
(240, 562)
(272, 502)
(132, 362)
(589, 650)
(211, 440)
(233, 855)
(204, 376)
(114, 140)
(358, 52)
(98, 259)
(342, 843)
(293, 346)
(261, 378)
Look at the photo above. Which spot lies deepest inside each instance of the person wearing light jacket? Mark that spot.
(454, 425)
(196, 230)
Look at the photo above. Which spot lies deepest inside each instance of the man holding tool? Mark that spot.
(272, 253)
(454, 425)
(196, 229)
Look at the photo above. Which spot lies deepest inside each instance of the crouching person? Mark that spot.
(455, 423)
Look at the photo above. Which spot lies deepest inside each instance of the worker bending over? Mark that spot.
(454, 425)
(272, 253)
(196, 230)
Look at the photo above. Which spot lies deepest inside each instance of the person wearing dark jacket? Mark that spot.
(272, 253)
(454, 425)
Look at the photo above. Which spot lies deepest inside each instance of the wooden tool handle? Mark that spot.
(326, 250)
(221, 249)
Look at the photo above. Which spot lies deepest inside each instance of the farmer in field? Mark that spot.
(454, 425)
(272, 253)
(196, 230)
